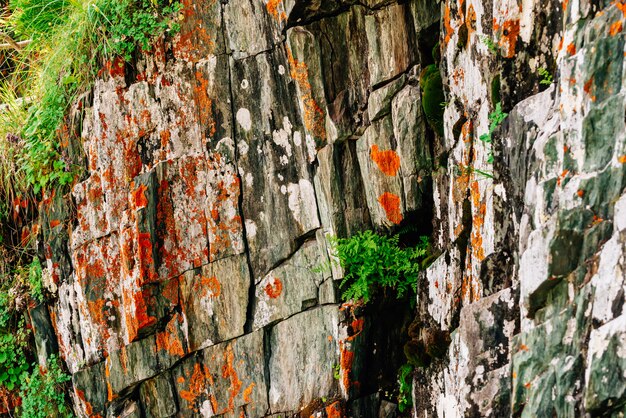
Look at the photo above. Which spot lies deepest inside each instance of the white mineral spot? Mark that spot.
(243, 147)
(243, 118)
(249, 180)
(284, 160)
(281, 70)
(281, 136)
(297, 138)
(283, 189)
(206, 410)
(280, 177)
(244, 84)
(250, 228)
(310, 147)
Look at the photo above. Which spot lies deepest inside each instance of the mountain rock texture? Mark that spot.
(191, 263)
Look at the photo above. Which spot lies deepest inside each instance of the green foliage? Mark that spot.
(372, 262)
(491, 45)
(546, 77)
(43, 393)
(495, 119)
(70, 41)
(13, 363)
(336, 371)
(34, 280)
(133, 23)
(405, 387)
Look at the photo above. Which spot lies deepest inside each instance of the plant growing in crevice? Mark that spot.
(43, 392)
(546, 77)
(374, 262)
(490, 44)
(405, 387)
(495, 119)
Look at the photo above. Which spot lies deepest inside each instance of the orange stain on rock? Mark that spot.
(387, 161)
(510, 33)
(247, 393)
(208, 286)
(198, 385)
(314, 116)
(168, 340)
(274, 288)
(335, 410)
(229, 372)
(615, 28)
(139, 197)
(446, 25)
(272, 8)
(345, 363)
(391, 204)
(571, 49)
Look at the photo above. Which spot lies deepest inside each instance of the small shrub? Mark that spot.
(43, 392)
(372, 262)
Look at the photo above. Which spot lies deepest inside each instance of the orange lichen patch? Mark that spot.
(565, 3)
(139, 197)
(588, 85)
(387, 161)
(228, 372)
(314, 116)
(470, 22)
(87, 408)
(561, 177)
(580, 193)
(345, 363)
(391, 204)
(571, 49)
(335, 410)
(169, 341)
(274, 288)
(510, 33)
(615, 28)
(54, 223)
(622, 159)
(523, 347)
(621, 6)
(527, 385)
(208, 286)
(198, 386)
(107, 374)
(446, 25)
(247, 393)
(204, 104)
(272, 8)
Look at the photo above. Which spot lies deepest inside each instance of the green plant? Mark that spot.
(43, 392)
(495, 119)
(432, 97)
(405, 387)
(337, 372)
(69, 41)
(546, 77)
(490, 44)
(13, 363)
(371, 262)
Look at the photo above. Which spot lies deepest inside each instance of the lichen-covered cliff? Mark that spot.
(185, 264)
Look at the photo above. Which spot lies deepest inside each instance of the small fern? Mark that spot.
(371, 262)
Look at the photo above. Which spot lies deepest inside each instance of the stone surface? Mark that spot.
(191, 271)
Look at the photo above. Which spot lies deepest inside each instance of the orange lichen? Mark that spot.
(571, 49)
(54, 223)
(208, 286)
(198, 385)
(621, 6)
(446, 25)
(510, 33)
(247, 393)
(274, 288)
(314, 116)
(139, 197)
(335, 410)
(204, 103)
(272, 8)
(387, 161)
(169, 341)
(345, 363)
(615, 28)
(228, 372)
(622, 159)
(391, 204)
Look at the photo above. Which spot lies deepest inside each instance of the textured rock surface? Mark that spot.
(190, 266)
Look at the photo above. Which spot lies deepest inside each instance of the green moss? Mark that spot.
(433, 98)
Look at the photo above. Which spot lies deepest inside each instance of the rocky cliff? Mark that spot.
(186, 262)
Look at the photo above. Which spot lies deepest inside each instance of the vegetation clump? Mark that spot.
(372, 262)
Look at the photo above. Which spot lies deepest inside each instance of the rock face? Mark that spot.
(189, 261)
